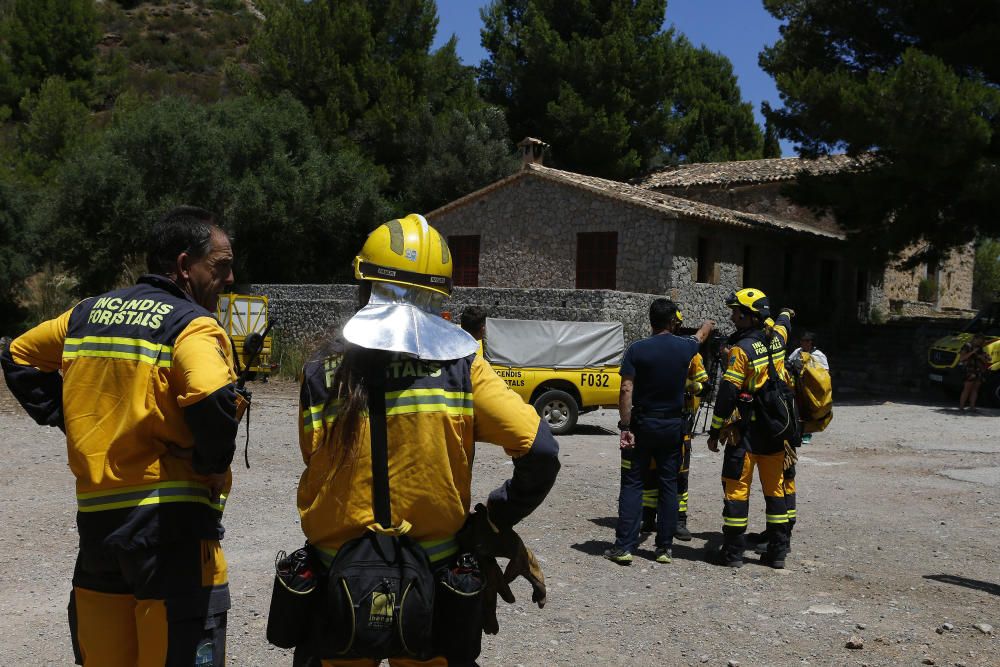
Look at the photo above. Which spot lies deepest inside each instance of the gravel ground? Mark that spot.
(895, 550)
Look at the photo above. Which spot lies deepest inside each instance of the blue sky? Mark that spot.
(739, 29)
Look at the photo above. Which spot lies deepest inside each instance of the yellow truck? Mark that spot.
(563, 369)
(943, 356)
(244, 314)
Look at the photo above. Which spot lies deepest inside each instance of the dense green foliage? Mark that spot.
(55, 122)
(366, 72)
(715, 124)
(917, 83)
(43, 38)
(15, 250)
(298, 212)
(609, 89)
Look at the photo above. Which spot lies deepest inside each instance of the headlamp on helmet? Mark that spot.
(751, 300)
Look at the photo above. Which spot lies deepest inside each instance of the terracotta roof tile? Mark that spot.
(651, 199)
(746, 171)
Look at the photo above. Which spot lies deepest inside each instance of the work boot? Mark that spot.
(681, 531)
(725, 556)
(776, 548)
(776, 560)
(648, 520)
(617, 555)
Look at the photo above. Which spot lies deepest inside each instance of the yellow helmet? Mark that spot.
(406, 251)
(750, 299)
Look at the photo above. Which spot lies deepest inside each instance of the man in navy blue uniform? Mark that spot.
(650, 406)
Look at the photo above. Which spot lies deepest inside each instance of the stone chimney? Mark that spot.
(532, 150)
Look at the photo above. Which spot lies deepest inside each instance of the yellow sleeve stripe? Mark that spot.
(717, 421)
(700, 376)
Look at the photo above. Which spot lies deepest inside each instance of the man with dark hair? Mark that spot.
(141, 381)
(474, 321)
(651, 405)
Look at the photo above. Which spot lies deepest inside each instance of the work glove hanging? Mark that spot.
(483, 538)
(730, 435)
(524, 564)
(791, 456)
(493, 585)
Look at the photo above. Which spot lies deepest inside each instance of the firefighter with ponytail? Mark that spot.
(401, 375)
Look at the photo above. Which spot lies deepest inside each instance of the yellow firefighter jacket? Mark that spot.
(696, 378)
(747, 371)
(142, 369)
(435, 413)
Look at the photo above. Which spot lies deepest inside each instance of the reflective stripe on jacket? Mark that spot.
(143, 369)
(435, 413)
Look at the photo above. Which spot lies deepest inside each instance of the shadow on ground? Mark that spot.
(592, 429)
(993, 589)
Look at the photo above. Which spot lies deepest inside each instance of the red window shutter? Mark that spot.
(465, 255)
(596, 260)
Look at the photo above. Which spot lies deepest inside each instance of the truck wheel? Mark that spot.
(558, 409)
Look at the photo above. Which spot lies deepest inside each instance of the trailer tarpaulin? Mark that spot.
(549, 344)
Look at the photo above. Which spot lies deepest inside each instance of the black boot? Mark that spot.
(730, 554)
(777, 546)
(681, 531)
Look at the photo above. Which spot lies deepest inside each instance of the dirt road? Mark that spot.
(896, 547)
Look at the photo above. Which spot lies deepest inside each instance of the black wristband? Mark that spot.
(622, 426)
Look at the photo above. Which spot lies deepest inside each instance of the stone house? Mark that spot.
(755, 186)
(694, 233)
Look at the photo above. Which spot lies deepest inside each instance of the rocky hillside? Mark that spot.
(176, 47)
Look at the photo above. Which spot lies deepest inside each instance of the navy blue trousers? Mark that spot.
(661, 441)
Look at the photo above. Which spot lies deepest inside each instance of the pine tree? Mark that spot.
(365, 71)
(610, 89)
(916, 85)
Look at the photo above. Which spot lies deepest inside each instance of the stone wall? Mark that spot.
(528, 235)
(884, 360)
(954, 278)
(307, 312)
(764, 198)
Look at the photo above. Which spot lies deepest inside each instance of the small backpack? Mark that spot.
(379, 599)
(775, 411)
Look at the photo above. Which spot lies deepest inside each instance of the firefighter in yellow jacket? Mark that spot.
(440, 398)
(746, 373)
(141, 381)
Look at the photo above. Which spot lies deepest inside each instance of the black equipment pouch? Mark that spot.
(458, 610)
(776, 414)
(297, 577)
(379, 598)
